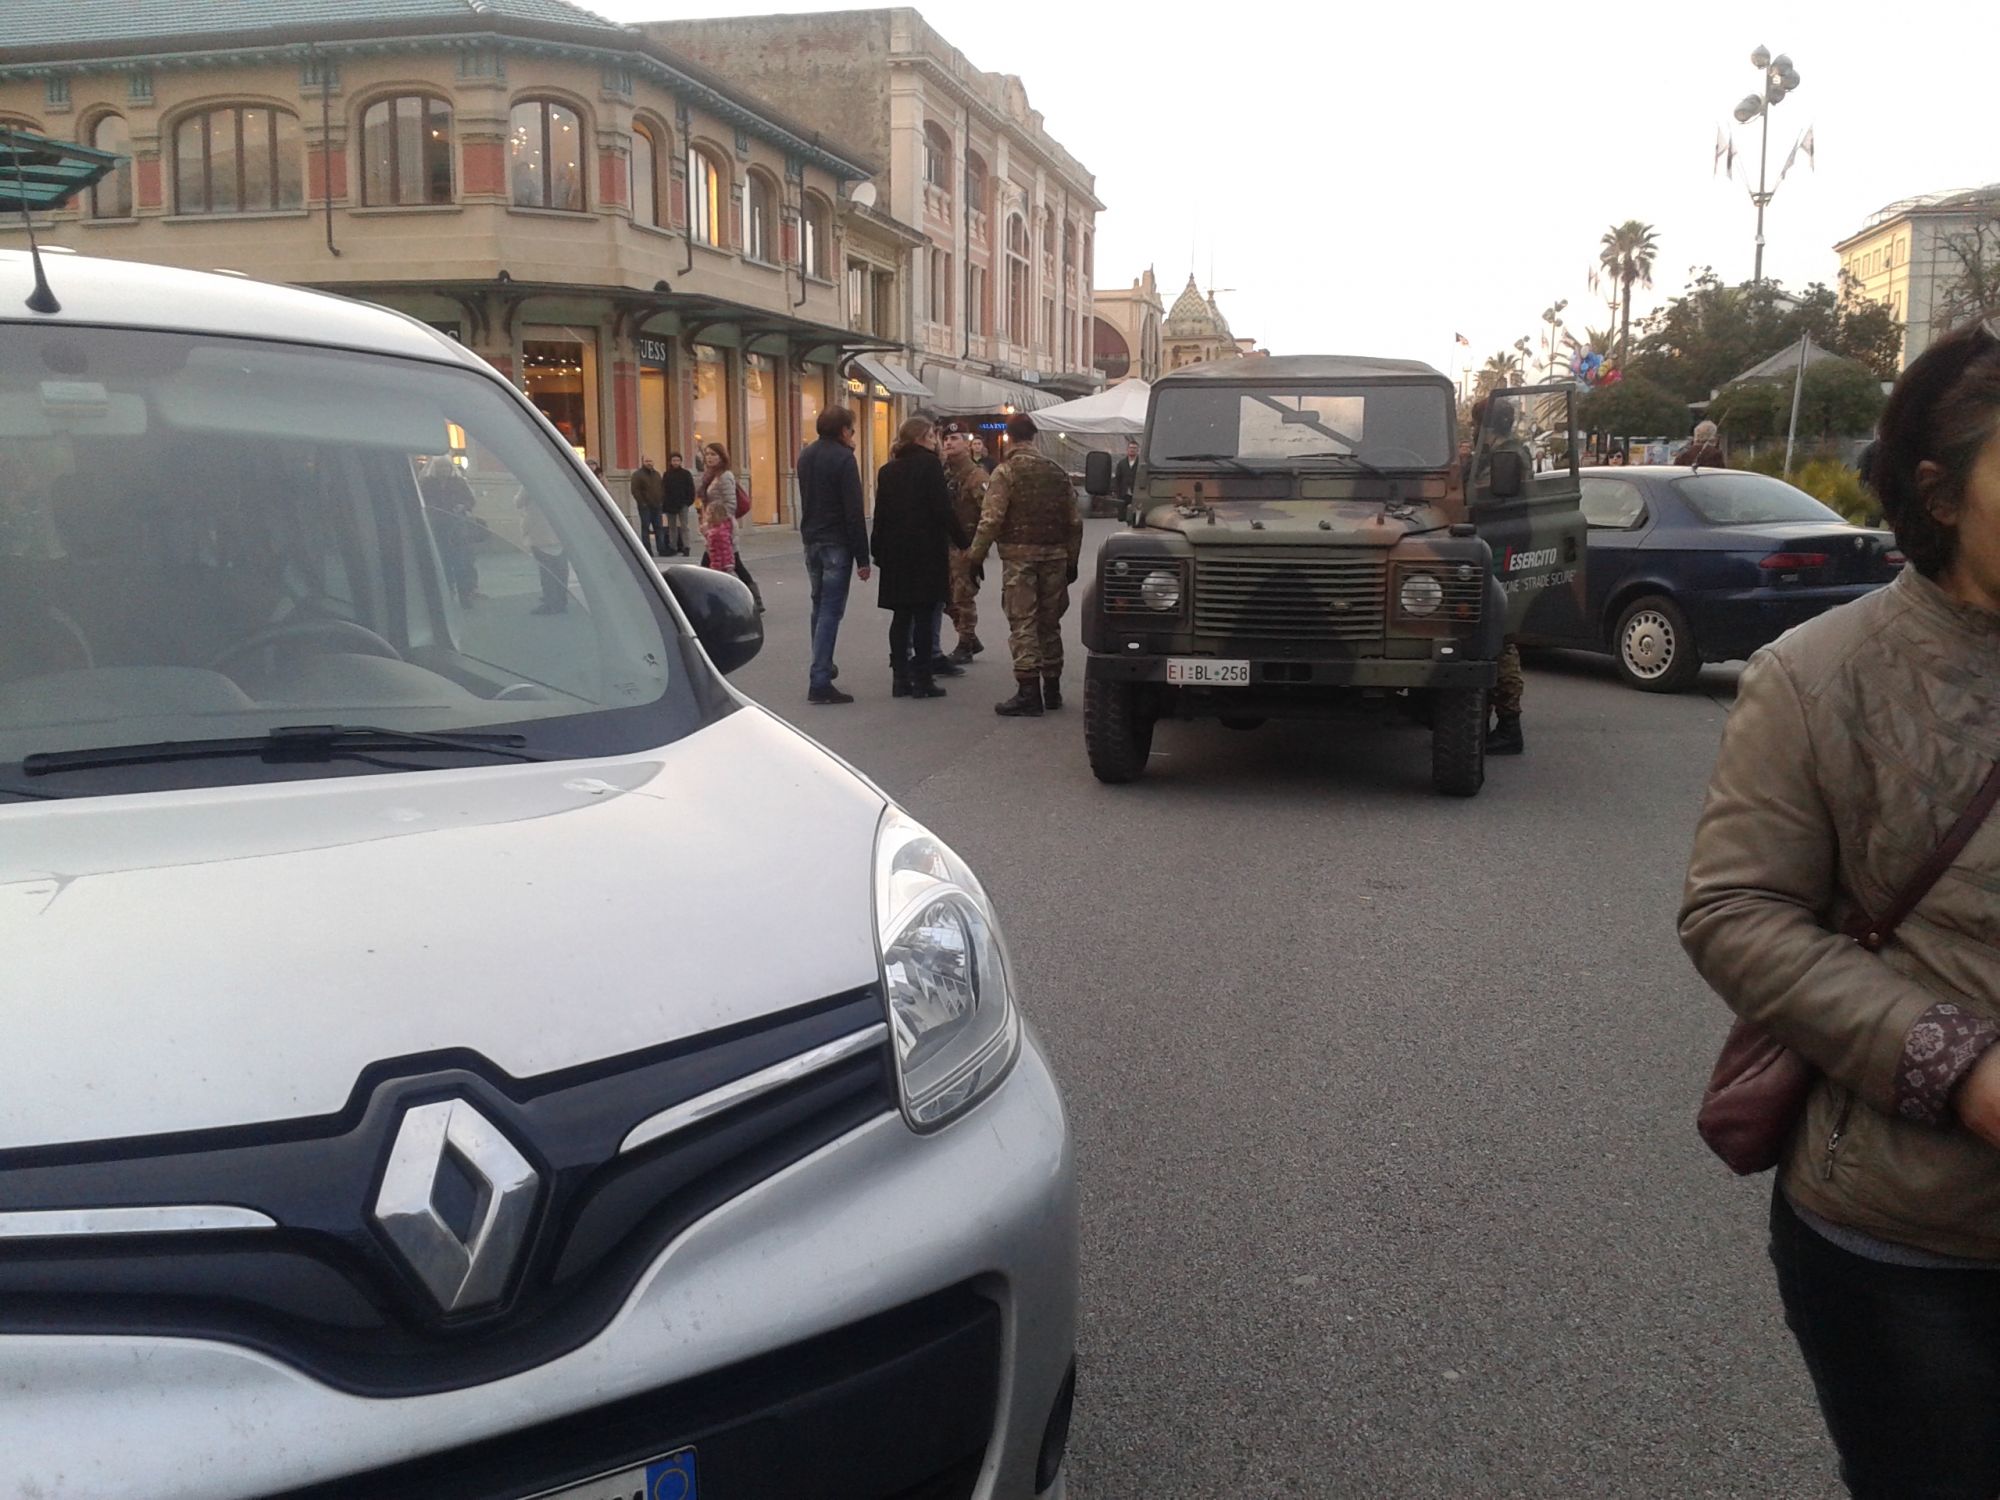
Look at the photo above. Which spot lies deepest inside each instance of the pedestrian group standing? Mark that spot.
(835, 532)
(1030, 514)
(915, 530)
(1854, 760)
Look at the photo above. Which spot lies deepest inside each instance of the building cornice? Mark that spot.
(676, 78)
(1050, 154)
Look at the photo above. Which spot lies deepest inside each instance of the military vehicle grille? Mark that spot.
(1464, 598)
(1315, 597)
(1122, 583)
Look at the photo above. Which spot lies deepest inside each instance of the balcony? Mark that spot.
(977, 226)
(937, 201)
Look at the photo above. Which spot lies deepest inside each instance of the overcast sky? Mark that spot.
(1373, 178)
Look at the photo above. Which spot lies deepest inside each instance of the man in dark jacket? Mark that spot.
(649, 492)
(678, 497)
(836, 537)
(1705, 451)
(1126, 475)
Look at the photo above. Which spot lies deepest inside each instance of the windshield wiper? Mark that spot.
(27, 795)
(1347, 458)
(1210, 458)
(297, 742)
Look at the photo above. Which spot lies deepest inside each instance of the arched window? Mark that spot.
(760, 217)
(705, 196)
(111, 198)
(937, 156)
(239, 159)
(406, 151)
(645, 161)
(1017, 280)
(815, 231)
(545, 151)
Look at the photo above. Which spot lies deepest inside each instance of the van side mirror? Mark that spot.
(720, 609)
(1507, 474)
(1097, 473)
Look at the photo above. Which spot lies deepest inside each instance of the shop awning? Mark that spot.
(37, 173)
(894, 377)
(963, 394)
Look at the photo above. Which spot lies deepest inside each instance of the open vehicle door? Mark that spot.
(1532, 520)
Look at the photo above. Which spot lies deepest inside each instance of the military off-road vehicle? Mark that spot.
(1308, 535)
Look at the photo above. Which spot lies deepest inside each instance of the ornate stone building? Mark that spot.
(1002, 300)
(1195, 331)
(659, 258)
(1127, 332)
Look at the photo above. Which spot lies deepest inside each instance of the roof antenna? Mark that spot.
(41, 299)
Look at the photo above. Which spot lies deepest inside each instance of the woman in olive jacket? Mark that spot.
(1856, 742)
(914, 533)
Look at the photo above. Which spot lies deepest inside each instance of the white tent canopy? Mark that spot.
(1119, 410)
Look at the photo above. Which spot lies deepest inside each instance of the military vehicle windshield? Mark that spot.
(1282, 426)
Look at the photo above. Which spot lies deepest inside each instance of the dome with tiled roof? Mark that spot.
(1196, 317)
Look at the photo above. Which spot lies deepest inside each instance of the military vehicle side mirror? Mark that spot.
(1097, 473)
(1508, 475)
(722, 612)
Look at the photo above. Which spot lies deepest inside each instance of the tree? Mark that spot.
(1851, 324)
(1753, 410)
(1633, 407)
(1840, 399)
(1970, 280)
(1628, 252)
(1502, 369)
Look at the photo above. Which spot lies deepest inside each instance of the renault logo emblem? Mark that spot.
(455, 1201)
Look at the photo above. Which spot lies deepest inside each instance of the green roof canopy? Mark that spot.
(37, 173)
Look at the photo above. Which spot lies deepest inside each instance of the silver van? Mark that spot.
(455, 1045)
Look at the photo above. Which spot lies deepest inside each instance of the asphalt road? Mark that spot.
(1383, 1101)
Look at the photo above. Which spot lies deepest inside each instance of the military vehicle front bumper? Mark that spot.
(1294, 672)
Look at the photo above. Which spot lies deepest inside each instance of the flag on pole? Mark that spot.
(1463, 339)
(1786, 170)
(1721, 145)
(1806, 145)
(1729, 160)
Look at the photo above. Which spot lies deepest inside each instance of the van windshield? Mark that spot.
(1276, 426)
(207, 539)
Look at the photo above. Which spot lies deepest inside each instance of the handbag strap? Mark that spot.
(1874, 935)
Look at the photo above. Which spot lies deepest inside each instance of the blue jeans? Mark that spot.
(831, 569)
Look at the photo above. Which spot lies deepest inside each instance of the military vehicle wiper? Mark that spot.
(1347, 458)
(289, 742)
(1211, 458)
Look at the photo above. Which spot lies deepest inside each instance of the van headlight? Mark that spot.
(946, 977)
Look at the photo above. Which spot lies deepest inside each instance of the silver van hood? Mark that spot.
(187, 960)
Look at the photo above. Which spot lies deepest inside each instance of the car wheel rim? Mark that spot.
(1649, 644)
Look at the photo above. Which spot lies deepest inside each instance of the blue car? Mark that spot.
(1685, 566)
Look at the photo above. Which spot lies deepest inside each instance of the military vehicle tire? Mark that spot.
(1458, 741)
(1654, 646)
(1241, 721)
(1117, 730)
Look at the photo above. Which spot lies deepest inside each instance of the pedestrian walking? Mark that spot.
(649, 493)
(1848, 787)
(1030, 514)
(915, 530)
(447, 495)
(1125, 478)
(966, 482)
(677, 501)
(835, 533)
(545, 545)
(715, 492)
(1705, 450)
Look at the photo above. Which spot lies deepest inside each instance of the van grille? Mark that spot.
(1331, 595)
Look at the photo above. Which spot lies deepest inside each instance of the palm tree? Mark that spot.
(1627, 253)
(1603, 340)
(1502, 369)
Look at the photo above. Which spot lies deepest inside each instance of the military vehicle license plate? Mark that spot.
(668, 1478)
(1199, 671)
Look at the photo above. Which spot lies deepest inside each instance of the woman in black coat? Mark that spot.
(914, 533)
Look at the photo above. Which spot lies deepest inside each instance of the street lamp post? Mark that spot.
(1780, 79)
(1552, 315)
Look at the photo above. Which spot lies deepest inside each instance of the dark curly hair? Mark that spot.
(1944, 410)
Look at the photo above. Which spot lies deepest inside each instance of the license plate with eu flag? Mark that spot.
(673, 1477)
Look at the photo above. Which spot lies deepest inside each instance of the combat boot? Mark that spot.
(1026, 702)
(944, 666)
(1051, 692)
(1505, 736)
(962, 657)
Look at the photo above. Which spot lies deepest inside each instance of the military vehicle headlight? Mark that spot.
(946, 976)
(1162, 589)
(1422, 594)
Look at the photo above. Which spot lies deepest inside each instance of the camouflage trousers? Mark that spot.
(964, 605)
(1507, 691)
(1034, 590)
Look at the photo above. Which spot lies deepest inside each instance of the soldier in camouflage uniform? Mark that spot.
(967, 484)
(1030, 511)
(1505, 736)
